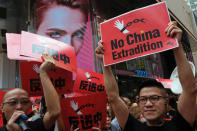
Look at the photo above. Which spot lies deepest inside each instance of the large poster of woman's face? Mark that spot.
(67, 21)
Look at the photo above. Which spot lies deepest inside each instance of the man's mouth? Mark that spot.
(149, 111)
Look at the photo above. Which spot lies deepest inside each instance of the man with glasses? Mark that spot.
(16, 103)
(152, 97)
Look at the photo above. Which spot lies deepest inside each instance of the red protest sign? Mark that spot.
(13, 47)
(84, 111)
(167, 83)
(89, 82)
(33, 45)
(36, 100)
(2, 93)
(61, 79)
(137, 33)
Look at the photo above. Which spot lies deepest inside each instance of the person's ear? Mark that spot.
(166, 101)
(2, 107)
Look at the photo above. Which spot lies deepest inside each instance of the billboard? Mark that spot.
(68, 22)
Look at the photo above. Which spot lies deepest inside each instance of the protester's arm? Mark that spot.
(60, 124)
(51, 96)
(187, 100)
(119, 107)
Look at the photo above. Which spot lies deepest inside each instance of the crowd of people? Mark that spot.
(153, 98)
(149, 112)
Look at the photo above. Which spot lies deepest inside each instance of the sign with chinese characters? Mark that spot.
(36, 100)
(34, 45)
(84, 111)
(61, 79)
(137, 33)
(13, 47)
(89, 82)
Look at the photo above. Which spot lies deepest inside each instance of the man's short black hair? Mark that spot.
(151, 83)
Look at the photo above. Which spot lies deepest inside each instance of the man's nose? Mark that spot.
(67, 39)
(148, 103)
(19, 106)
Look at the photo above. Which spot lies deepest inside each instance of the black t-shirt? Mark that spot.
(36, 125)
(178, 123)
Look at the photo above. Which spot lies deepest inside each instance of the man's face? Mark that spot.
(128, 102)
(15, 100)
(153, 108)
(108, 120)
(64, 24)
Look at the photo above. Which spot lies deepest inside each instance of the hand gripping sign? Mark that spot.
(61, 79)
(137, 33)
(84, 111)
(89, 82)
(33, 45)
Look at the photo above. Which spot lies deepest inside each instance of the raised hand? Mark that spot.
(100, 51)
(48, 64)
(173, 31)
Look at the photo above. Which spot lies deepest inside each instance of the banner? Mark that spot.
(61, 79)
(13, 47)
(89, 82)
(167, 83)
(137, 33)
(84, 111)
(33, 45)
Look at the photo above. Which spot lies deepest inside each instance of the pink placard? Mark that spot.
(13, 47)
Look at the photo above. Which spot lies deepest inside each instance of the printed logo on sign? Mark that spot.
(77, 110)
(36, 68)
(122, 28)
(88, 76)
(75, 107)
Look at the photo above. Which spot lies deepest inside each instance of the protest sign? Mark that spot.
(61, 79)
(2, 93)
(137, 33)
(167, 83)
(13, 47)
(84, 111)
(33, 45)
(89, 82)
(36, 100)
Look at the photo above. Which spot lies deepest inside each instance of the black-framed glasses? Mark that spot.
(15, 102)
(153, 99)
